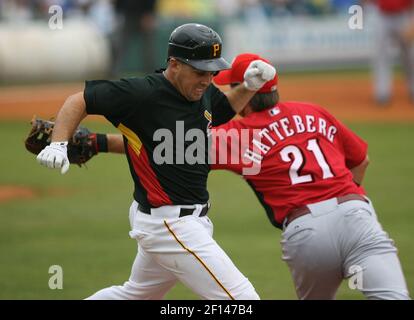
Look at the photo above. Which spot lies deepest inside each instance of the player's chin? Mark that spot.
(197, 94)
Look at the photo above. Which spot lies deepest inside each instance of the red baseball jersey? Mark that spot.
(394, 6)
(291, 155)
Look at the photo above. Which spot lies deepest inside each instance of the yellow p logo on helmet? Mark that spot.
(216, 49)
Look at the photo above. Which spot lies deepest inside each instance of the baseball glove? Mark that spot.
(81, 147)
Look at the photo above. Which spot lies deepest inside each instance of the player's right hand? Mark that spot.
(257, 74)
(55, 156)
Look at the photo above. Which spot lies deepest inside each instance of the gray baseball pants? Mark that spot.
(337, 241)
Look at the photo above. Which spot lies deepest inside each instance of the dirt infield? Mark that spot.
(347, 96)
(8, 193)
(19, 192)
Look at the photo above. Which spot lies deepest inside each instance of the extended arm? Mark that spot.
(255, 76)
(239, 97)
(115, 143)
(70, 115)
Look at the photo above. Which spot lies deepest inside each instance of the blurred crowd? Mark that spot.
(37, 9)
(124, 22)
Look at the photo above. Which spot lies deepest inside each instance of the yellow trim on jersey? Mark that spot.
(207, 115)
(199, 259)
(132, 138)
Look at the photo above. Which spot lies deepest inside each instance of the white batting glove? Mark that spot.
(55, 156)
(257, 74)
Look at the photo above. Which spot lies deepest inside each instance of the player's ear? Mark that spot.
(174, 65)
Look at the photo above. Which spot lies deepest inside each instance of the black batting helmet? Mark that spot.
(198, 46)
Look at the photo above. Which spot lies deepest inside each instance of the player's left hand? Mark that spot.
(55, 156)
(80, 148)
(257, 74)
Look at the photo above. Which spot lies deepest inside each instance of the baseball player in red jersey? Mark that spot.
(311, 168)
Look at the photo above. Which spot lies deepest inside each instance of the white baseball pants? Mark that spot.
(172, 249)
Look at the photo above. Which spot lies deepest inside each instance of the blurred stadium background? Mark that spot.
(79, 221)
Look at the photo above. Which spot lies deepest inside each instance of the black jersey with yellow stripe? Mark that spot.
(165, 135)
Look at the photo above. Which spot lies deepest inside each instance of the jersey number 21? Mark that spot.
(293, 154)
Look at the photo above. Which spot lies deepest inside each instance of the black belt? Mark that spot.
(183, 211)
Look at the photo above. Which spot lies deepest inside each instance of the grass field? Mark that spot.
(80, 221)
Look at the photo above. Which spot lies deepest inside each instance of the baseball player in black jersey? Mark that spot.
(168, 215)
